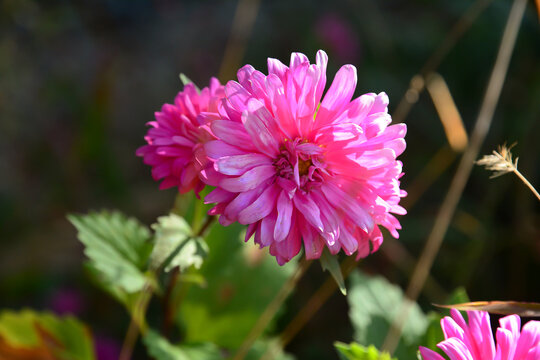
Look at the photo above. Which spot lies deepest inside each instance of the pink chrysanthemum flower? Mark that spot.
(175, 137)
(474, 341)
(299, 168)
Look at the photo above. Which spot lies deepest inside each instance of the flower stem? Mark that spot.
(526, 182)
(169, 308)
(137, 322)
(198, 214)
(272, 309)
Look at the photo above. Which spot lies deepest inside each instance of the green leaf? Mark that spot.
(175, 245)
(241, 281)
(117, 246)
(18, 328)
(191, 253)
(330, 262)
(356, 351)
(160, 348)
(185, 80)
(65, 337)
(374, 303)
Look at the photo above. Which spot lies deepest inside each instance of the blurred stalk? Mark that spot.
(459, 181)
(244, 18)
(447, 111)
(272, 309)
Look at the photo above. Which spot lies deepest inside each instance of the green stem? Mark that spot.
(137, 323)
(169, 306)
(198, 215)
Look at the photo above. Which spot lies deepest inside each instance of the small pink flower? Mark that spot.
(299, 168)
(175, 137)
(336, 33)
(474, 341)
(67, 301)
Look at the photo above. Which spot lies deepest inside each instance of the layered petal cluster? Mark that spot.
(298, 167)
(474, 340)
(175, 137)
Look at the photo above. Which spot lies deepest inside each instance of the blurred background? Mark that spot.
(79, 80)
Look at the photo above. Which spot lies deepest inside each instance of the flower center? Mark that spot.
(299, 165)
(303, 166)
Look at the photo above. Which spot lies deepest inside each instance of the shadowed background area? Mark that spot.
(79, 80)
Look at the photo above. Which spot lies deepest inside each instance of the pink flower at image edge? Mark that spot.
(474, 341)
(299, 168)
(175, 137)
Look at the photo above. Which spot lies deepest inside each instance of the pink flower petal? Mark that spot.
(260, 207)
(261, 126)
(237, 95)
(277, 68)
(321, 61)
(511, 323)
(251, 228)
(216, 149)
(455, 349)
(239, 164)
(280, 106)
(285, 250)
(451, 329)
(505, 345)
(242, 201)
(309, 209)
(244, 75)
(529, 339)
(482, 337)
(354, 211)
(381, 103)
(232, 133)
(533, 354)
(338, 96)
(428, 354)
(218, 195)
(268, 223)
(313, 245)
(297, 59)
(249, 180)
(284, 214)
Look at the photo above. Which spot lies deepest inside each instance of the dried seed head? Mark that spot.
(500, 162)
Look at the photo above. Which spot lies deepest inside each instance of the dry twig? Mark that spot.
(501, 162)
